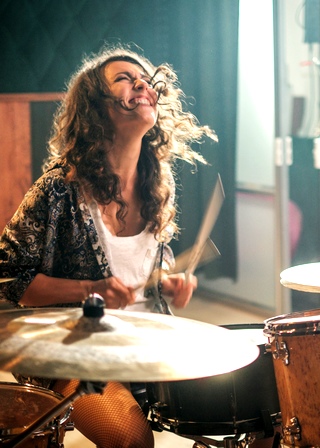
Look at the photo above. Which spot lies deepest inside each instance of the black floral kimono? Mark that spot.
(53, 233)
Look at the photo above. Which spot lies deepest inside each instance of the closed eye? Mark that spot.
(124, 77)
(129, 77)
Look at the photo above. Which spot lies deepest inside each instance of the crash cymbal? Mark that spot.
(119, 345)
(304, 277)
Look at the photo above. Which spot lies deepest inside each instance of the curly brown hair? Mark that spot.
(82, 124)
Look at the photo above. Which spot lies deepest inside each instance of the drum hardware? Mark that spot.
(241, 441)
(200, 445)
(281, 351)
(159, 423)
(292, 432)
(55, 438)
(269, 423)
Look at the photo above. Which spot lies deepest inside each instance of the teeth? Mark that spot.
(141, 101)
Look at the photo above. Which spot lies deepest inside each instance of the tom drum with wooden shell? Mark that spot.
(294, 341)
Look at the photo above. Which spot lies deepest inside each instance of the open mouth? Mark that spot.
(140, 100)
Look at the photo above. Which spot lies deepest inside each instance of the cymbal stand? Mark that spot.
(244, 440)
(84, 387)
(240, 441)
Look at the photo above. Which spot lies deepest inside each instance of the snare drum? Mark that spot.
(295, 346)
(22, 405)
(239, 402)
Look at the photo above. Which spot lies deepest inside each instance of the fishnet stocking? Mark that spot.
(110, 420)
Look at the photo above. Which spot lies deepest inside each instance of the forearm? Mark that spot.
(45, 291)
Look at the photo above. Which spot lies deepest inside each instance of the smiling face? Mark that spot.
(136, 100)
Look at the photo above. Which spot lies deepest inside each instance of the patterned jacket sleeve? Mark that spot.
(47, 235)
(21, 244)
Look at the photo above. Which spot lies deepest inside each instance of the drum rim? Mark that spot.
(244, 326)
(216, 428)
(274, 326)
(30, 386)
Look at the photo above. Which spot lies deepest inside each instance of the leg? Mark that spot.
(112, 419)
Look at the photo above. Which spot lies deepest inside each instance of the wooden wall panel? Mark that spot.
(15, 171)
(15, 149)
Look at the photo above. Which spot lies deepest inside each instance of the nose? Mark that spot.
(141, 84)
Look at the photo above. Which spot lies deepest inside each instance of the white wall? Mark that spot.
(255, 160)
(255, 94)
(255, 224)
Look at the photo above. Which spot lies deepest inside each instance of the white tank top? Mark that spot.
(131, 258)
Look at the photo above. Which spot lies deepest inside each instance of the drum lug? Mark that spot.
(268, 347)
(292, 431)
(281, 352)
(66, 417)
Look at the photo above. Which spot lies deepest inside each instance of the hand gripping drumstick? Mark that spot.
(206, 227)
(209, 253)
(204, 250)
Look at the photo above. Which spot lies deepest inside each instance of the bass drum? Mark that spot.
(238, 402)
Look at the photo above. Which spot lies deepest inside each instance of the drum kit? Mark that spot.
(226, 386)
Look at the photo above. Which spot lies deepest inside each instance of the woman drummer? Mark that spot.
(100, 218)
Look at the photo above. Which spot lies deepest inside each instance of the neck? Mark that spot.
(123, 158)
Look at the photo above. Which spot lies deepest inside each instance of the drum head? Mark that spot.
(21, 405)
(253, 331)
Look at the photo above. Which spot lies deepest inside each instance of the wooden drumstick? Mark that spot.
(206, 227)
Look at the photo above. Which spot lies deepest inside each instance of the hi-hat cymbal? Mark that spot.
(120, 345)
(304, 277)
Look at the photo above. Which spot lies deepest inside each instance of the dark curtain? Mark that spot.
(43, 41)
(207, 59)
